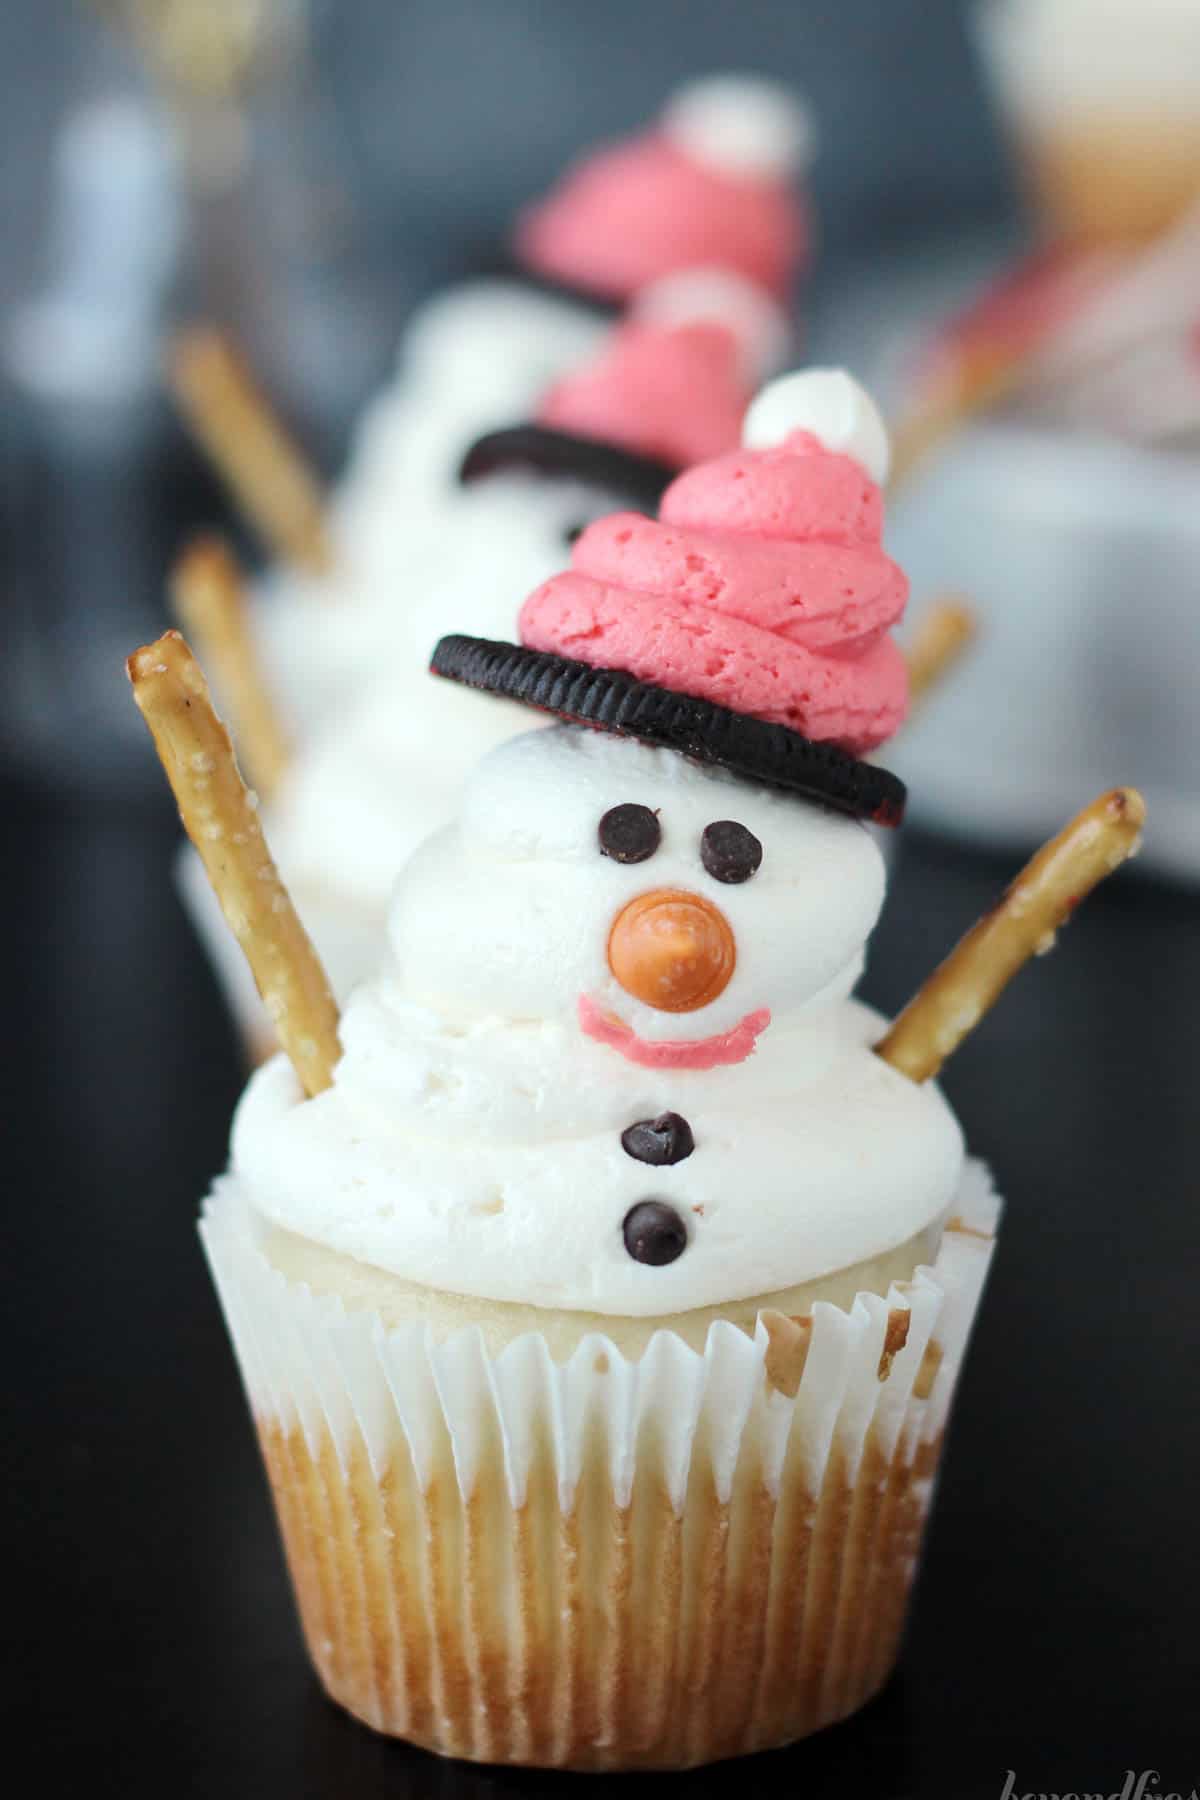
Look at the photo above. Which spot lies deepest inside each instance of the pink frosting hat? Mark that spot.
(712, 182)
(747, 626)
(676, 377)
(763, 586)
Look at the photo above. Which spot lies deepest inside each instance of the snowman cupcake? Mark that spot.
(601, 1279)
(670, 386)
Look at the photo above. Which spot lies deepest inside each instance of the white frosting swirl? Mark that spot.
(377, 777)
(475, 358)
(472, 1138)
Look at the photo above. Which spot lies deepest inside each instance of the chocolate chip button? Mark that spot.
(629, 833)
(667, 1139)
(729, 851)
(654, 1233)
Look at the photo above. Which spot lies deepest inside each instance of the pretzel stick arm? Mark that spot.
(1040, 900)
(261, 463)
(944, 631)
(209, 601)
(220, 816)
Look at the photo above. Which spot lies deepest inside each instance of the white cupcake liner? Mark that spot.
(605, 1562)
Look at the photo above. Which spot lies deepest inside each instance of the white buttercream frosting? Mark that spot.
(476, 358)
(378, 776)
(472, 1138)
(526, 837)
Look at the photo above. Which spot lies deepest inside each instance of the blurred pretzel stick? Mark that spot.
(209, 600)
(976, 383)
(1040, 900)
(220, 816)
(944, 630)
(260, 462)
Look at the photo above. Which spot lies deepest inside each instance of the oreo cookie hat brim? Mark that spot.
(613, 701)
(561, 456)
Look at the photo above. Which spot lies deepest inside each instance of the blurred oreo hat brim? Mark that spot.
(497, 262)
(561, 456)
(613, 701)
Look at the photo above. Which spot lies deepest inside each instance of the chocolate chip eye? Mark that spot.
(629, 833)
(573, 532)
(729, 852)
(654, 1233)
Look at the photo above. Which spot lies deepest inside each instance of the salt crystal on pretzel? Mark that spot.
(1024, 924)
(220, 815)
(263, 466)
(208, 597)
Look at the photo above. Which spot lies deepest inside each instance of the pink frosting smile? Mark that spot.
(763, 587)
(668, 1053)
(679, 393)
(645, 208)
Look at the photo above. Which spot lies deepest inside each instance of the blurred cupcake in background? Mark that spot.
(473, 519)
(675, 379)
(1103, 99)
(716, 179)
(713, 184)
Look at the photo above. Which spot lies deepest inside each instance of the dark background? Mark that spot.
(149, 1634)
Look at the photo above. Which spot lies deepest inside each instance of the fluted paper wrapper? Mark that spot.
(603, 1563)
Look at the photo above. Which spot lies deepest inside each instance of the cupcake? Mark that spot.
(601, 1279)
(1103, 99)
(714, 181)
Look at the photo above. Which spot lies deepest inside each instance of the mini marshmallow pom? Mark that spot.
(832, 406)
(744, 125)
(706, 296)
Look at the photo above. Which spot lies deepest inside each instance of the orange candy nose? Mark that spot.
(672, 950)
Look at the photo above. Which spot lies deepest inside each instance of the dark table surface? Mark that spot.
(151, 1637)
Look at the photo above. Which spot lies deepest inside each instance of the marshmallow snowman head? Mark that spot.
(668, 911)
